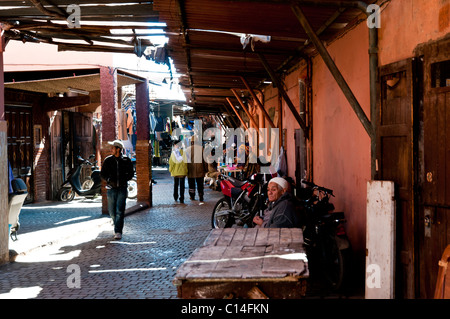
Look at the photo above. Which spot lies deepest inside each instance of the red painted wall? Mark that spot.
(341, 153)
(341, 146)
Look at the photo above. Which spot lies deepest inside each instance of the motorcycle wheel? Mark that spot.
(132, 188)
(65, 194)
(221, 221)
(87, 184)
(334, 263)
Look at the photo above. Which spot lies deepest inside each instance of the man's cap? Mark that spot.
(280, 181)
(117, 143)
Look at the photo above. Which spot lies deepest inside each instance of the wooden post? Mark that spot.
(143, 145)
(4, 216)
(109, 101)
(244, 108)
(261, 107)
(237, 113)
(380, 240)
(334, 71)
(283, 93)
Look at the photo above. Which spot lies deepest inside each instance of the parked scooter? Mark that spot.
(327, 245)
(241, 202)
(72, 185)
(15, 203)
(132, 188)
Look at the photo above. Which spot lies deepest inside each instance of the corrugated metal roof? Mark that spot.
(205, 41)
(46, 21)
(204, 35)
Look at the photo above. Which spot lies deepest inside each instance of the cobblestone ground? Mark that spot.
(92, 265)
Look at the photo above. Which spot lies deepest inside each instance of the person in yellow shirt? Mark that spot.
(178, 170)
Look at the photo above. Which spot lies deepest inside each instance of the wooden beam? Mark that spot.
(334, 71)
(45, 11)
(187, 51)
(283, 93)
(59, 103)
(99, 48)
(96, 12)
(261, 107)
(231, 119)
(237, 113)
(244, 108)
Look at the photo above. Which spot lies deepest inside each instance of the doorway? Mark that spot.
(413, 150)
(20, 144)
(434, 168)
(72, 136)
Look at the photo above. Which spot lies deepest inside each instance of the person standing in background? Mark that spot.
(196, 168)
(178, 170)
(117, 170)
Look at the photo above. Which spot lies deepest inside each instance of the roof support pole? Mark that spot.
(334, 71)
(261, 107)
(219, 119)
(4, 234)
(373, 67)
(237, 113)
(144, 151)
(283, 93)
(231, 120)
(245, 109)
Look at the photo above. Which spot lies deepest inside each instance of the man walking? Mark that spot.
(117, 170)
(196, 168)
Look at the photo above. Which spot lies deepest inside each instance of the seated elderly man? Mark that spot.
(280, 212)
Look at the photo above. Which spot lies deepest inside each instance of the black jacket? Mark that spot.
(117, 171)
(281, 213)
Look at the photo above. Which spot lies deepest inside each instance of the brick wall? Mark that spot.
(144, 171)
(41, 174)
(41, 155)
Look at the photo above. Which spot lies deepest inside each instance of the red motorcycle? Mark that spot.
(241, 202)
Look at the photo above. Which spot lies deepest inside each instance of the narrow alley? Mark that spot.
(142, 265)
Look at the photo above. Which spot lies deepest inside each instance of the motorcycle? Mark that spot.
(90, 188)
(15, 203)
(241, 202)
(326, 243)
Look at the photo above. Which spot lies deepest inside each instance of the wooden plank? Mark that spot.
(202, 261)
(226, 237)
(236, 263)
(274, 236)
(213, 237)
(238, 238)
(261, 237)
(285, 236)
(99, 12)
(275, 289)
(250, 236)
(231, 259)
(297, 235)
(285, 261)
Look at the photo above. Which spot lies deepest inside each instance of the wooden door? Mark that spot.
(20, 144)
(72, 136)
(83, 138)
(434, 226)
(395, 163)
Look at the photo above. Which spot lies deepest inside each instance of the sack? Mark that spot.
(281, 165)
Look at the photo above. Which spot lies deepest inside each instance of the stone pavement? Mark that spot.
(67, 251)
